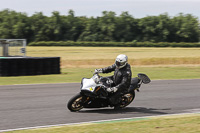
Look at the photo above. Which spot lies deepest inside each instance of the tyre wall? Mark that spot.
(22, 66)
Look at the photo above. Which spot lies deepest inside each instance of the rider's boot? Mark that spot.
(115, 102)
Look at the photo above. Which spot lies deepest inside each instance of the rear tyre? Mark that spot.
(75, 103)
(126, 99)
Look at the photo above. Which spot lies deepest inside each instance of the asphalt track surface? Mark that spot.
(24, 106)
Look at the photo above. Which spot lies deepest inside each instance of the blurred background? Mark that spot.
(157, 36)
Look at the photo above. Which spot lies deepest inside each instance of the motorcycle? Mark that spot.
(93, 92)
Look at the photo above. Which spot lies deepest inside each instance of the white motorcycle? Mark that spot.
(94, 95)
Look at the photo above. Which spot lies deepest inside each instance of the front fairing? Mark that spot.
(88, 84)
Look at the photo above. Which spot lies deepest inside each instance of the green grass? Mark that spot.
(78, 62)
(178, 124)
(76, 74)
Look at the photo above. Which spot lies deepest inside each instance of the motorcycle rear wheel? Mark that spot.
(75, 103)
(127, 99)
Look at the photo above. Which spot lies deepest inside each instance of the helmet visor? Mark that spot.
(119, 64)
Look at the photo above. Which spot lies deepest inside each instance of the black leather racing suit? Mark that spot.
(121, 79)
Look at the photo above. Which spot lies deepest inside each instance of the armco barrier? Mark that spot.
(22, 66)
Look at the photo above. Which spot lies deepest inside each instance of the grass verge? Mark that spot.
(76, 74)
(174, 124)
(88, 57)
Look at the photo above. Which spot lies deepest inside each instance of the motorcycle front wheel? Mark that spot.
(75, 103)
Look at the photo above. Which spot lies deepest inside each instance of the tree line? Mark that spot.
(107, 28)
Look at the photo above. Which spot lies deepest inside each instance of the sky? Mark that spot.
(88, 8)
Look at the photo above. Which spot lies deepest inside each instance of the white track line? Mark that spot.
(90, 122)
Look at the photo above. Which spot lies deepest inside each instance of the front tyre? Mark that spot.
(75, 103)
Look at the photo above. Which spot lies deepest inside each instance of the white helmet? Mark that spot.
(121, 61)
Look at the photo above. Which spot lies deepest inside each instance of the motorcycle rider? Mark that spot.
(121, 78)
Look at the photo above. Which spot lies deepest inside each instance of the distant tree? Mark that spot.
(7, 20)
(163, 28)
(92, 31)
(185, 28)
(22, 27)
(126, 28)
(40, 27)
(108, 27)
(14, 25)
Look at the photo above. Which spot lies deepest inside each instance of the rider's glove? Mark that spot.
(98, 71)
(112, 89)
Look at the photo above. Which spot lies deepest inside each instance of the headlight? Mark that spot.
(96, 78)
